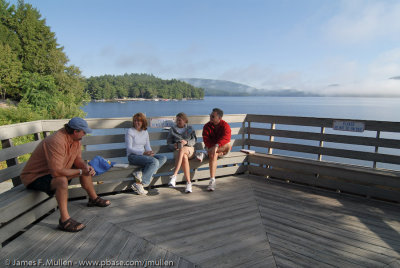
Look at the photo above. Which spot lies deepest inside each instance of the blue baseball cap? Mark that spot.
(79, 124)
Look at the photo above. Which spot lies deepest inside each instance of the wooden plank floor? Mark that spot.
(247, 222)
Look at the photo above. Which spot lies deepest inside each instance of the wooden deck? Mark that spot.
(247, 222)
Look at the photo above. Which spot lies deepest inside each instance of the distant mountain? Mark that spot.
(227, 88)
(219, 87)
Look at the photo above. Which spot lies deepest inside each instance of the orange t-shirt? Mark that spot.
(55, 152)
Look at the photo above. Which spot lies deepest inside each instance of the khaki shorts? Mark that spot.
(189, 148)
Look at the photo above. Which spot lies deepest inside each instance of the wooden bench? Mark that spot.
(301, 150)
(281, 138)
(20, 207)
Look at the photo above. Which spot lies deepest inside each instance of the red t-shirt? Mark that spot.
(216, 134)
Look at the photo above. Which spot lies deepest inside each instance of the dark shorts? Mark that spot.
(43, 184)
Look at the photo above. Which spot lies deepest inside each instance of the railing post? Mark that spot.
(11, 162)
(321, 142)
(243, 133)
(37, 137)
(271, 138)
(378, 135)
(248, 134)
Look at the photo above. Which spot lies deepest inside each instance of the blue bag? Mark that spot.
(100, 164)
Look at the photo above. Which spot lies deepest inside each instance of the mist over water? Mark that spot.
(382, 109)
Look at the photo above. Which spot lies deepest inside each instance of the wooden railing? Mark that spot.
(374, 144)
(310, 151)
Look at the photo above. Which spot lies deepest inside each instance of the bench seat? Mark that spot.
(20, 206)
(369, 182)
(118, 179)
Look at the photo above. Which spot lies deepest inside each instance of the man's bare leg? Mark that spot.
(87, 185)
(223, 150)
(60, 185)
(213, 157)
(213, 154)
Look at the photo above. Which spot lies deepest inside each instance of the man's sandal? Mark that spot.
(70, 225)
(98, 202)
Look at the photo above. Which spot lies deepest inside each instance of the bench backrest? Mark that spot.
(107, 141)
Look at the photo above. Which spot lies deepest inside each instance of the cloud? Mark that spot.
(263, 77)
(366, 87)
(387, 64)
(146, 58)
(363, 20)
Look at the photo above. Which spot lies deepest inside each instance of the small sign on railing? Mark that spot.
(164, 122)
(353, 126)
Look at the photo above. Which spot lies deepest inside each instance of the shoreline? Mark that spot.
(142, 99)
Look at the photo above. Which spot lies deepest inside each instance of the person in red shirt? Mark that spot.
(217, 139)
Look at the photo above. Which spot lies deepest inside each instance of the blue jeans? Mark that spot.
(150, 165)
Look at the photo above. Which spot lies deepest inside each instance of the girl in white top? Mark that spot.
(139, 153)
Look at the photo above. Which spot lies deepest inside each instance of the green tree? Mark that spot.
(33, 66)
(10, 70)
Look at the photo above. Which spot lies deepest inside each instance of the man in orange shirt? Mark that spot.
(52, 165)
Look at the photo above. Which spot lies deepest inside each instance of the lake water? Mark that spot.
(385, 109)
(382, 109)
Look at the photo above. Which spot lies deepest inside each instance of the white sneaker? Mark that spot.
(137, 176)
(172, 181)
(211, 185)
(138, 188)
(200, 156)
(188, 188)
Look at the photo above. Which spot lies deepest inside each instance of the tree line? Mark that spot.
(139, 86)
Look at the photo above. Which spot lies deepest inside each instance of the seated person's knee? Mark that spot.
(60, 183)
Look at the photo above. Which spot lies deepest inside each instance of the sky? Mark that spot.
(328, 47)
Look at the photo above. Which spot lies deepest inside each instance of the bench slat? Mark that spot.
(120, 138)
(21, 129)
(367, 156)
(21, 222)
(121, 152)
(321, 122)
(367, 141)
(357, 174)
(20, 203)
(15, 151)
(11, 172)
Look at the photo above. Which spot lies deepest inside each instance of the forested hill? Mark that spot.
(139, 86)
